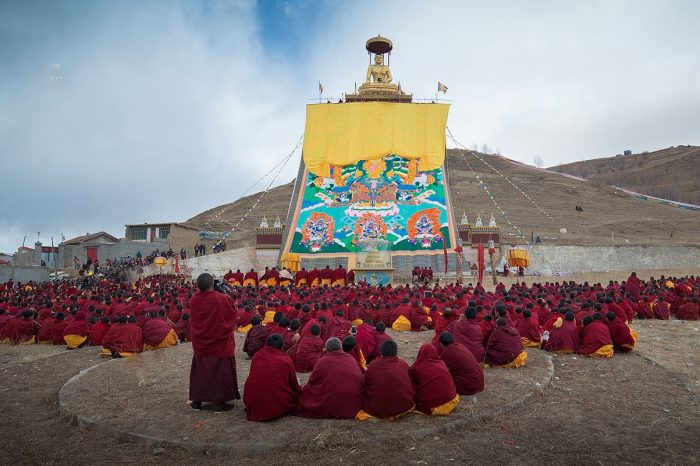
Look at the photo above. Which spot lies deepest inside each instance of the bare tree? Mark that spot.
(539, 163)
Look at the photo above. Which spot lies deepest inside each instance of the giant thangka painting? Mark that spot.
(400, 198)
(387, 198)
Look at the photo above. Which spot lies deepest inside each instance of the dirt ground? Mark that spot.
(627, 410)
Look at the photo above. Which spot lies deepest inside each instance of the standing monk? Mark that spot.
(212, 323)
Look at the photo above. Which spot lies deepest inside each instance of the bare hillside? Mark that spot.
(672, 173)
(606, 212)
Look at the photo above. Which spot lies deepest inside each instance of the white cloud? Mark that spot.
(165, 110)
(162, 112)
(565, 80)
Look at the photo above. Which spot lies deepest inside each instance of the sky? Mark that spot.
(117, 112)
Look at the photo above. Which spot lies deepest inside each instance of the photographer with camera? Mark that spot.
(212, 323)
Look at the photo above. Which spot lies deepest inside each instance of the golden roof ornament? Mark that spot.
(465, 220)
(278, 223)
(264, 223)
(479, 223)
(378, 85)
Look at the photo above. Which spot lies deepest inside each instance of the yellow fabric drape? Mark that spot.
(401, 324)
(343, 134)
(518, 257)
(445, 409)
(74, 341)
(520, 361)
(169, 340)
(291, 261)
(605, 351)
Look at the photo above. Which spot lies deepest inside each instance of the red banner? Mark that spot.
(480, 260)
(444, 249)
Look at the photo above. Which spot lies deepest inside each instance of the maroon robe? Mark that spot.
(98, 331)
(127, 339)
(433, 381)
(24, 330)
(306, 353)
(379, 338)
(255, 339)
(564, 338)
(271, 389)
(213, 371)
(337, 327)
(528, 328)
(78, 326)
(503, 346)
(388, 388)
(469, 333)
(335, 388)
(155, 330)
(466, 371)
(595, 336)
(57, 328)
(621, 336)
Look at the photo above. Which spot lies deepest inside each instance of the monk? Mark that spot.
(335, 388)
(127, 340)
(157, 333)
(435, 388)
(98, 331)
(326, 276)
(77, 333)
(213, 371)
(633, 286)
(380, 337)
(389, 392)
(467, 374)
(306, 354)
(182, 328)
(301, 278)
(339, 276)
(504, 347)
(529, 330)
(689, 310)
(624, 339)
(350, 346)
(255, 338)
(338, 325)
(25, 329)
(596, 341)
(563, 337)
(467, 332)
(251, 278)
(44, 335)
(271, 389)
(662, 309)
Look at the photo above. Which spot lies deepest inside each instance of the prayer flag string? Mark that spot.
(517, 188)
(503, 213)
(279, 167)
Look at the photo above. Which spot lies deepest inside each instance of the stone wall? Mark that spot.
(548, 260)
(123, 248)
(23, 273)
(215, 264)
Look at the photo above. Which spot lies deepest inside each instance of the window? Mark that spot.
(139, 234)
(163, 233)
